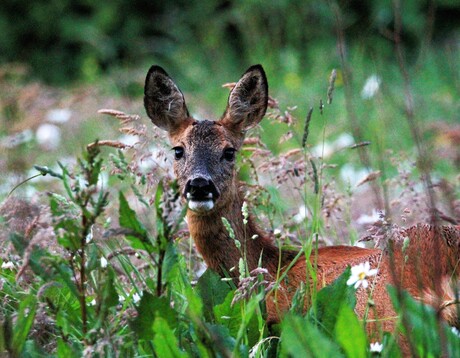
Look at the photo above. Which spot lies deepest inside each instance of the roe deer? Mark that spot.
(205, 169)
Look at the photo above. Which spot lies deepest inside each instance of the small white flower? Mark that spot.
(7, 265)
(301, 215)
(48, 136)
(277, 232)
(137, 297)
(349, 174)
(103, 262)
(371, 87)
(129, 139)
(58, 115)
(359, 273)
(365, 219)
(343, 140)
(93, 302)
(455, 331)
(89, 237)
(322, 150)
(121, 299)
(376, 347)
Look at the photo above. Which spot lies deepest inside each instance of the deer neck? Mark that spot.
(219, 249)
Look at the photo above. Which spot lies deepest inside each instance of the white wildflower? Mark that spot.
(58, 115)
(371, 87)
(376, 347)
(137, 297)
(89, 237)
(365, 219)
(301, 215)
(103, 262)
(93, 302)
(7, 265)
(48, 136)
(349, 174)
(359, 274)
(129, 139)
(277, 232)
(322, 150)
(455, 331)
(343, 140)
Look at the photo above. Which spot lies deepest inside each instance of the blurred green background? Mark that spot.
(69, 44)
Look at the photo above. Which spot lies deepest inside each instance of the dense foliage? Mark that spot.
(91, 299)
(80, 39)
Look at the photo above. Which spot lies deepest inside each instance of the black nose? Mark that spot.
(201, 189)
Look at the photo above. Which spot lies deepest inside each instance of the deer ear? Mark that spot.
(163, 100)
(247, 101)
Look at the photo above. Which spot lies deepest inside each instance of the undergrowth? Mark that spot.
(77, 283)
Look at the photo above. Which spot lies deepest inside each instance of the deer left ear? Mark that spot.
(247, 102)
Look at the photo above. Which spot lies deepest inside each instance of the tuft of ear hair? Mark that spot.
(163, 100)
(247, 102)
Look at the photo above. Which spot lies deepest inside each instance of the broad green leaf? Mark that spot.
(128, 218)
(172, 272)
(109, 293)
(32, 349)
(423, 330)
(222, 340)
(300, 338)
(66, 351)
(23, 323)
(149, 308)
(329, 301)
(228, 315)
(212, 291)
(350, 334)
(165, 342)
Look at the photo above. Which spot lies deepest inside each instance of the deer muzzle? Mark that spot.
(201, 194)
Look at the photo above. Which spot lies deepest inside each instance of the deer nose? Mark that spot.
(201, 188)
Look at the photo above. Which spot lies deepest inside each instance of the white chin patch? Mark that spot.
(200, 206)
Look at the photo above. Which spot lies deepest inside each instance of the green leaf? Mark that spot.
(422, 330)
(300, 338)
(329, 301)
(212, 291)
(165, 343)
(151, 307)
(128, 219)
(221, 335)
(23, 323)
(66, 351)
(350, 334)
(229, 315)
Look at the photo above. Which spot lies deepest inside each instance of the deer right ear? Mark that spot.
(163, 101)
(247, 102)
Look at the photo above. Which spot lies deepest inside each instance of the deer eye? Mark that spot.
(229, 154)
(178, 152)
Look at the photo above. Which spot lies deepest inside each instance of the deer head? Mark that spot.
(204, 151)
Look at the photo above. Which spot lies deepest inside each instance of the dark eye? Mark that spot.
(178, 152)
(229, 154)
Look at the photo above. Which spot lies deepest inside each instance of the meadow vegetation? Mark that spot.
(362, 138)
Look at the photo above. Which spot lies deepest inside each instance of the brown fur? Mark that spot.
(432, 253)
